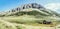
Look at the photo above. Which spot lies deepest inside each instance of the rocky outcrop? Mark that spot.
(32, 5)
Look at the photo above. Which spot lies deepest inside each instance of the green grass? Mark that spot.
(23, 22)
(27, 20)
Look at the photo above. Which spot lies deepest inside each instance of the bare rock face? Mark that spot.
(35, 5)
(32, 5)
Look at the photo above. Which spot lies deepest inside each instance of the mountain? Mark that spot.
(29, 16)
(30, 9)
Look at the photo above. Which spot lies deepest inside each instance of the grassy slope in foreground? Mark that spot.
(24, 20)
(10, 23)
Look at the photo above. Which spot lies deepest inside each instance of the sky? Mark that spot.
(10, 4)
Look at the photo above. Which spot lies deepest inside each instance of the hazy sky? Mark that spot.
(9, 4)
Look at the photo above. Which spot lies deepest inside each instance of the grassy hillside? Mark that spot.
(28, 19)
(26, 22)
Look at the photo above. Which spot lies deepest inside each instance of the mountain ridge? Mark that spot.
(32, 7)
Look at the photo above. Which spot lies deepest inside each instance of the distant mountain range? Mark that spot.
(30, 9)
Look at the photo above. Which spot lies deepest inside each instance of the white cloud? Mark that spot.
(53, 6)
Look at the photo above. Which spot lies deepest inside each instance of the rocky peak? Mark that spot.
(26, 6)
